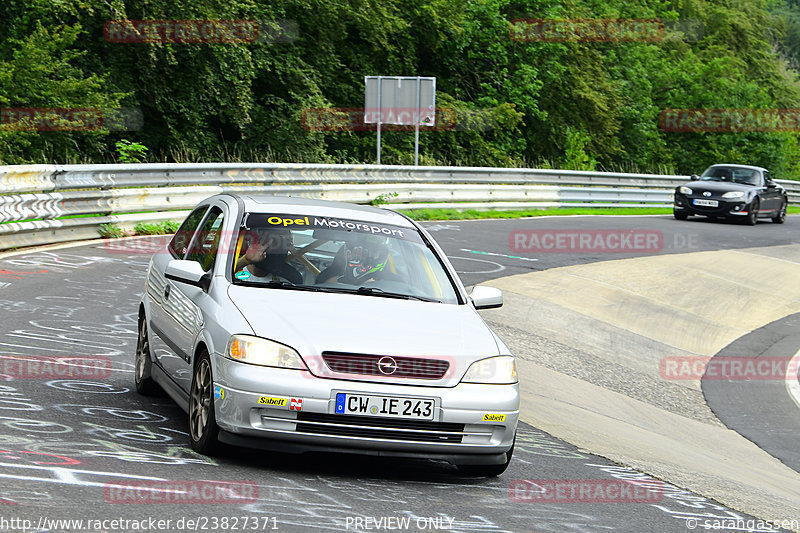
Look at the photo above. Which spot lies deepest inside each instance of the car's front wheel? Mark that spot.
(487, 470)
(752, 215)
(203, 429)
(680, 215)
(145, 384)
(780, 218)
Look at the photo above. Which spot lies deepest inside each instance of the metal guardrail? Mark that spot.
(33, 199)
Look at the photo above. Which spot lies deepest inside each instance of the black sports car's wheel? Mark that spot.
(752, 215)
(145, 384)
(780, 218)
(487, 470)
(679, 215)
(203, 429)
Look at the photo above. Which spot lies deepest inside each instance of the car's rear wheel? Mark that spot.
(679, 215)
(780, 218)
(145, 384)
(487, 470)
(203, 429)
(752, 215)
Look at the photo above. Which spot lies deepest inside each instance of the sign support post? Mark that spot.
(416, 124)
(380, 116)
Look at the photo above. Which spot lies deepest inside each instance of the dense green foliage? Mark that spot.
(586, 105)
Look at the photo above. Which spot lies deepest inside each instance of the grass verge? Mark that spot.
(112, 231)
(471, 214)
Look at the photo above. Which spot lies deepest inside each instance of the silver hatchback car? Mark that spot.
(299, 325)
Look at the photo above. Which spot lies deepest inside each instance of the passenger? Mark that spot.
(362, 258)
(265, 257)
(725, 174)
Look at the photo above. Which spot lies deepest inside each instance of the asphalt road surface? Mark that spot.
(81, 449)
(486, 249)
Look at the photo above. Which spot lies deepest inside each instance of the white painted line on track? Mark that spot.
(498, 265)
(792, 379)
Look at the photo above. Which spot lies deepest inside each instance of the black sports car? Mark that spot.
(732, 191)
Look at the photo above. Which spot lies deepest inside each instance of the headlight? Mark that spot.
(733, 194)
(258, 351)
(496, 370)
(684, 190)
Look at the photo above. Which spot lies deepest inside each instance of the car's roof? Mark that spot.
(263, 203)
(750, 167)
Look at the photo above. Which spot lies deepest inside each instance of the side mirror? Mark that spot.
(486, 297)
(189, 272)
(694, 177)
(771, 185)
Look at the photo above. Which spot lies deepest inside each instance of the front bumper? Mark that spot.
(292, 410)
(725, 208)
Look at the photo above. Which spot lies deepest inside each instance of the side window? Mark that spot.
(179, 244)
(206, 242)
(767, 177)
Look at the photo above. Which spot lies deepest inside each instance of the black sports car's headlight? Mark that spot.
(733, 195)
(684, 190)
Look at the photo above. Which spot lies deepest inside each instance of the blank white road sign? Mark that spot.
(398, 100)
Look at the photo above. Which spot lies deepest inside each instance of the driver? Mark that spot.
(265, 257)
(363, 258)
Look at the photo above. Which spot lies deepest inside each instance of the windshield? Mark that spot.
(296, 251)
(744, 176)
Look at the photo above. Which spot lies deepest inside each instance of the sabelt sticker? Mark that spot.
(296, 404)
(244, 274)
(266, 400)
(488, 417)
(219, 393)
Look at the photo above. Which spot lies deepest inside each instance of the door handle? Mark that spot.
(166, 292)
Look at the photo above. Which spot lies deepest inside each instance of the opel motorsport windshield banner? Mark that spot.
(306, 222)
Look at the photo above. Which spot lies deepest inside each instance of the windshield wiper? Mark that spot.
(374, 291)
(368, 291)
(278, 284)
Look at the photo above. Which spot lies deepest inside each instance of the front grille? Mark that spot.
(407, 367)
(379, 428)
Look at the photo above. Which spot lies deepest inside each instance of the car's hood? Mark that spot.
(717, 186)
(316, 322)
